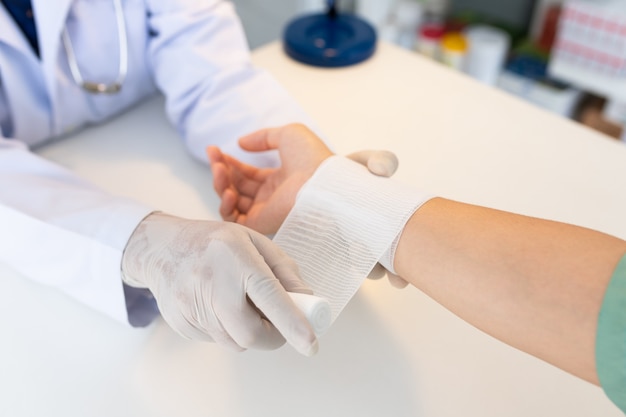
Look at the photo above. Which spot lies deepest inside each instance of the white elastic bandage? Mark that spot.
(344, 220)
(316, 310)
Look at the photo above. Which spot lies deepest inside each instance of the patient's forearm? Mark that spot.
(534, 284)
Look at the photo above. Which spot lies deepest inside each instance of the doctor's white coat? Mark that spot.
(62, 231)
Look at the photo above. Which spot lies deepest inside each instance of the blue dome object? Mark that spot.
(324, 40)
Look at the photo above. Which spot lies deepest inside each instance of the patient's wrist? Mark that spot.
(343, 222)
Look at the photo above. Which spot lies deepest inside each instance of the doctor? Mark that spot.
(65, 64)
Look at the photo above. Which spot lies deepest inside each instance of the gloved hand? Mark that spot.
(218, 281)
(381, 163)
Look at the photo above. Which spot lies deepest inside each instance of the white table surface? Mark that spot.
(391, 353)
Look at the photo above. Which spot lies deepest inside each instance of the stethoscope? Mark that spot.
(95, 87)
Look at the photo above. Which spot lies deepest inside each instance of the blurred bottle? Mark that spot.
(402, 23)
(454, 50)
(375, 12)
(487, 50)
(429, 39)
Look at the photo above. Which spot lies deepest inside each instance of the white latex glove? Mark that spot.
(383, 164)
(205, 276)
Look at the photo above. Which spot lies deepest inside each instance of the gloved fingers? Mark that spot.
(191, 326)
(205, 317)
(396, 281)
(283, 267)
(243, 319)
(270, 297)
(269, 294)
(377, 272)
(381, 163)
(247, 328)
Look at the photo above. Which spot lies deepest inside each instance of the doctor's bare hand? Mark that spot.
(219, 282)
(261, 198)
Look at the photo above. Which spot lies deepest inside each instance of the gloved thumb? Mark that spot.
(381, 163)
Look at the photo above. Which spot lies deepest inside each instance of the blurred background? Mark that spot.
(566, 56)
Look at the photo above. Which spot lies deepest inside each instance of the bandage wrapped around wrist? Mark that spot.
(344, 221)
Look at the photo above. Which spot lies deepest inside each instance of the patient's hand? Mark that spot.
(261, 198)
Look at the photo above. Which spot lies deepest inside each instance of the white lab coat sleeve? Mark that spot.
(215, 95)
(61, 231)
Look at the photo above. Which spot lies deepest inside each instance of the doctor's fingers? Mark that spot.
(243, 323)
(197, 325)
(270, 298)
(270, 295)
(284, 268)
(233, 325)
(381, 163)
(377, 272)
(396, 281)
(236, 324)
(244, 273)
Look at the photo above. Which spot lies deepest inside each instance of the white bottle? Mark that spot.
(375, 12)
(487, 50)
(407, 17)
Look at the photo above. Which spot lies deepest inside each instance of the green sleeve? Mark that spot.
(611, 338)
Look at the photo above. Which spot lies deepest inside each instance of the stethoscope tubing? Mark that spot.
(97, 87)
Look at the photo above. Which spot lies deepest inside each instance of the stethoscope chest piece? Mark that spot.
(96, 87)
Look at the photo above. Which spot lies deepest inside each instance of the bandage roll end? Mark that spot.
(316, 309)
